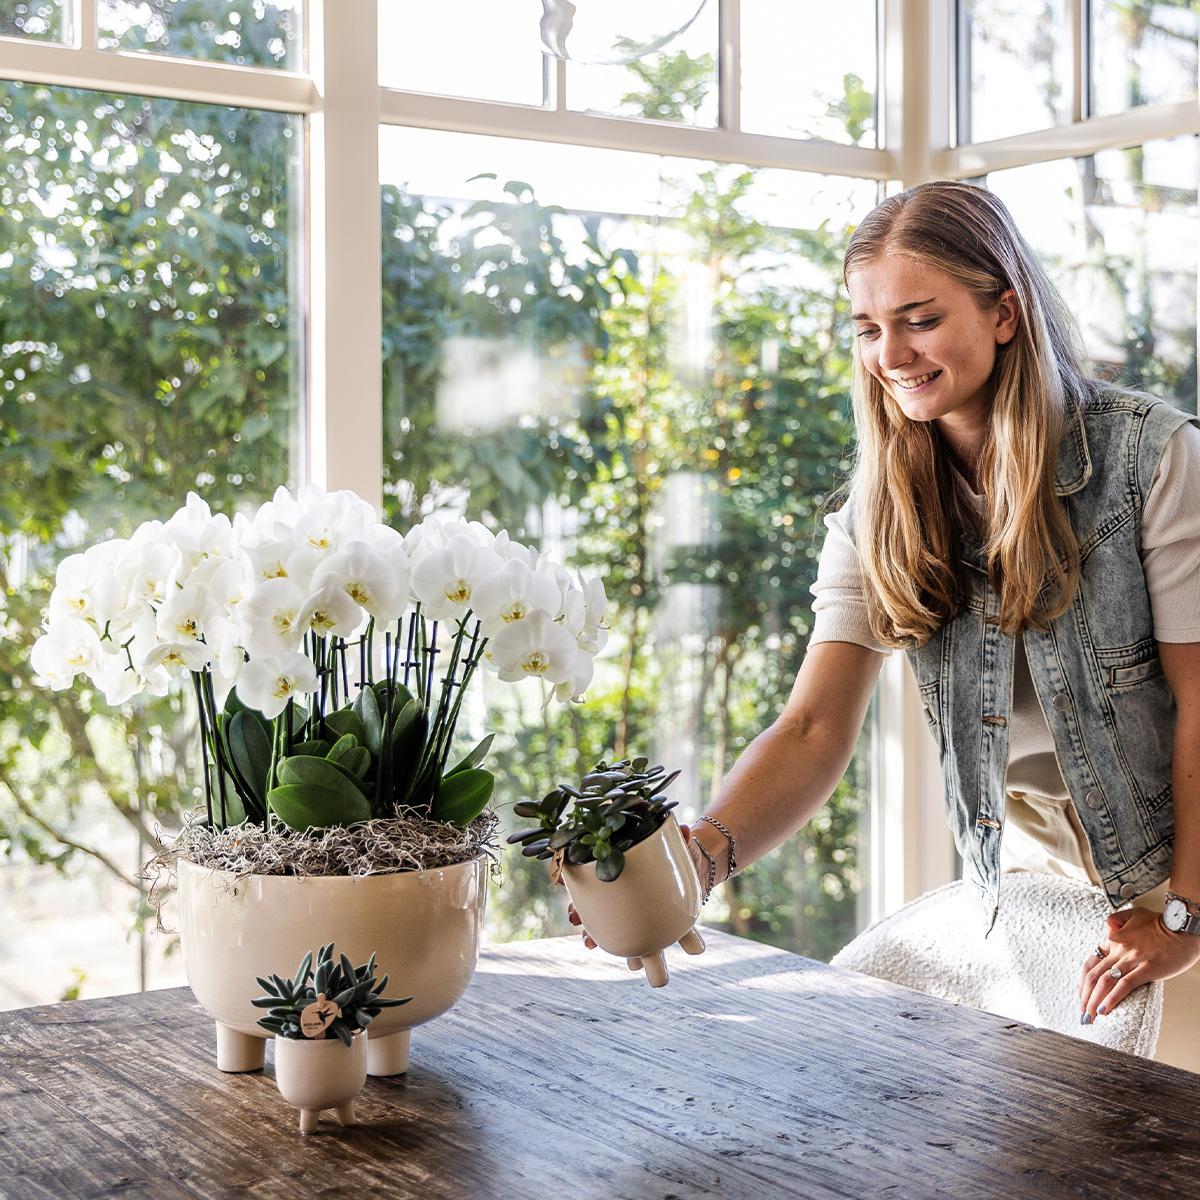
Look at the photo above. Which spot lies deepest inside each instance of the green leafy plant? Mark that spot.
(351, 989)
(615, 807)
(374, 757)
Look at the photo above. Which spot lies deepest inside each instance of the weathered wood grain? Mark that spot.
(754, 1074)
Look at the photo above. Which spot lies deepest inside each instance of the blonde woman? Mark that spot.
(1030, 536)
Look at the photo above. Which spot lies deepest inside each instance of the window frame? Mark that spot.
(337, 90)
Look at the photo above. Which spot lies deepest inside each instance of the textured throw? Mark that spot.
(1027, 968)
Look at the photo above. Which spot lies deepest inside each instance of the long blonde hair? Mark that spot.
(908, 520)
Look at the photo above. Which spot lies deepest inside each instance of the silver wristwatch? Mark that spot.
(1180, 915)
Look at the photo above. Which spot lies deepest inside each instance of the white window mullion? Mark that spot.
(913, 850)
(729, 74)
(1077, 39)
(83, 33)
(345, 389)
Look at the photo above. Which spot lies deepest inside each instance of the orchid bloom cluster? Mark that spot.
(265, 602)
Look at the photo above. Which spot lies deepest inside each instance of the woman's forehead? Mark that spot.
(895, 280)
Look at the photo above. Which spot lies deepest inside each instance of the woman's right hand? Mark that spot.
(697, 862)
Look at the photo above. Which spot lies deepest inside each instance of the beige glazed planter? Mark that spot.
(424, 926)
(652, 904)
(317, 1073)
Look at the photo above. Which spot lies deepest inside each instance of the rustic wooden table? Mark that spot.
(755, 1073)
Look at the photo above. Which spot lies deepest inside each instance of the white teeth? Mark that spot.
(917, 381)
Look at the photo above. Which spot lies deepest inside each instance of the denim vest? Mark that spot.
(1096, 670)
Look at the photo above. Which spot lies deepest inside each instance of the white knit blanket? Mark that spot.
(1026, 969)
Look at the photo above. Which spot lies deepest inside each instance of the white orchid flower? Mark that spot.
(175, 656)
(148, 569)
(444, 580)
(268, 684)
(511, 594)
(508, 549)
(184, 615)
(228, 581)
(583, 612)
(117, 679)
(536, 646)
(88, 586)
(69, 647)
(577, 681)
(330, 611)
(366, 577)
(270, 618)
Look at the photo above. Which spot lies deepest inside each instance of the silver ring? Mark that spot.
(1099, 951)
(1116, 972)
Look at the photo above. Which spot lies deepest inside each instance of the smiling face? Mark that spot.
(924, 337)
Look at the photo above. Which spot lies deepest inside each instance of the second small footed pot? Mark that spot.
(318, 1073)
(652, 904)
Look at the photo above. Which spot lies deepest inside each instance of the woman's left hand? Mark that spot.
(1138, 943)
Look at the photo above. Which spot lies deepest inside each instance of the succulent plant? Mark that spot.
(348, 992)
(615, 808)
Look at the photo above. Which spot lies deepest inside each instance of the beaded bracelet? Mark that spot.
(728, 837)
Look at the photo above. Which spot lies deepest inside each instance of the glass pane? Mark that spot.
(152, 348)
(676, 81)
(250, 33)
(831, 49)
(473, 48)
(1142, 53)
(643, 364)
(1118, 232)
(1016, 64)
(41, 19)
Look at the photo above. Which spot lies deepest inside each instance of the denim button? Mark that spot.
(1093, 799)
(1062, 702)
(1128, 890)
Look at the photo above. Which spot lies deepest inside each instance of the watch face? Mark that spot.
(1175, 915)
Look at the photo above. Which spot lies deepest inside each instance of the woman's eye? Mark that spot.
(928, 323)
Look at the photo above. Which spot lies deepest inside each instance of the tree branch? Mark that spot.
(61, 837)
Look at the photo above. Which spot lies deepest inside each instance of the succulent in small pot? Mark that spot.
(622, 857)
(615, 808)
(319, 1019)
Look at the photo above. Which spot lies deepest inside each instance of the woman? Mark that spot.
(1031, 537)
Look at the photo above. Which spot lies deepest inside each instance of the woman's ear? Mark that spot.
(1008, 316)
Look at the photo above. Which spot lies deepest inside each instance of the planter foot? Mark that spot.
(345, 1114)
(635, 964)
(308, 1120)
(656, 969)
(388, 1055)
(692, 942)
(238, 1051)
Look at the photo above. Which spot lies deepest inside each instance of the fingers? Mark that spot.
(1116, 921)
(573, 917)
(1109, 992)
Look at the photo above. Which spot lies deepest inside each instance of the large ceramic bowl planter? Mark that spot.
(314, 1074)
(652, 904)
(425, 927)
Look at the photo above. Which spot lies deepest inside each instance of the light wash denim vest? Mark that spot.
(1096, 670)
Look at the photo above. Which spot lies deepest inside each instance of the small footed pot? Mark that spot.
(652, 904)
(317, 1073)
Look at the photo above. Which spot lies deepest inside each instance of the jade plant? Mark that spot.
(613, 808)
(337, 1000)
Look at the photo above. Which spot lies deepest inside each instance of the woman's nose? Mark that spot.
(893, 352)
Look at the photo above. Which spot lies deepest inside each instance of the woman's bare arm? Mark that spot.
(788, 772)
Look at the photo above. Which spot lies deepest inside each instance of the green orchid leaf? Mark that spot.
(462, 798)
(320, 772)
(341, 747)
(345, 721)
(366, 708)
(474, 758)
(304, 806)
(249, 740)
(403, 721)
(318, 749)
